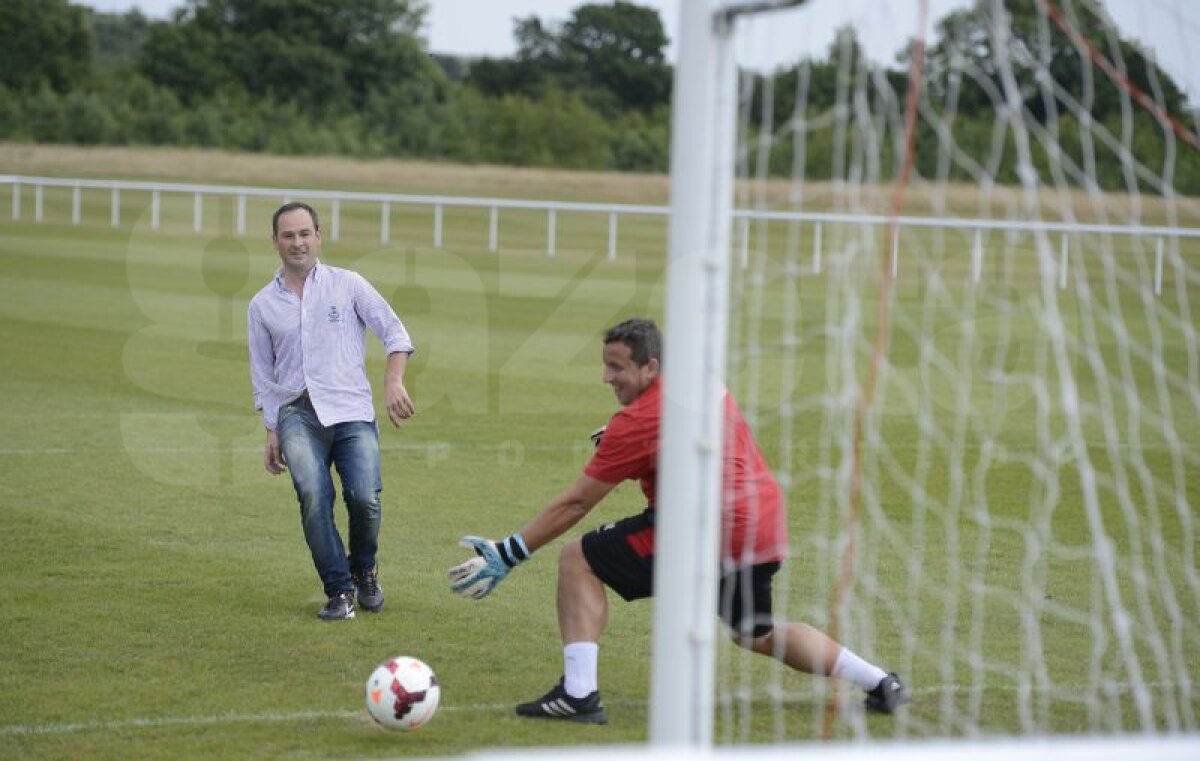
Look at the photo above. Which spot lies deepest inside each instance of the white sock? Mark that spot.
(579, 668)
(850, 667)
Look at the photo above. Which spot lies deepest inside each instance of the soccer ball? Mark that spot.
(402, 693)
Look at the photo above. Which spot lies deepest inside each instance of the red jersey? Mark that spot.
(753, 525)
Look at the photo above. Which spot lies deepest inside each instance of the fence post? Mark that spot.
(437, 225)
(241, 214)
(385, 213)
(493, 228)
(977, 257)
(1065, 250)
(551, 224)
(197, 212)
(76, 203)
(155, 209)
(817, 248)
(16, 201)
(37, 202)
(1158, 267)
(745, 242)
(612, 236)
(115, 214)
(335, 214)
(895, 251)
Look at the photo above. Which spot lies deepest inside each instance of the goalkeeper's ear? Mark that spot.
(597, 434)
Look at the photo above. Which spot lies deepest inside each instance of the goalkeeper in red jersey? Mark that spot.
(620, 555)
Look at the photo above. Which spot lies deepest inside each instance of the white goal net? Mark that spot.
(964, 283)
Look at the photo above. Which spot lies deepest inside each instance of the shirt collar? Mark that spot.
(313, 275)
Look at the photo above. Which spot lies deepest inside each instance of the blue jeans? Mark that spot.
(309, 449)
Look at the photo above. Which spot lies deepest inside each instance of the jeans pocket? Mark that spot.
(284, 411)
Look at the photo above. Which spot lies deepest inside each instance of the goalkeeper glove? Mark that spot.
(477, 577)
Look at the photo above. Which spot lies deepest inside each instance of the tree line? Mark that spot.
(589, 92)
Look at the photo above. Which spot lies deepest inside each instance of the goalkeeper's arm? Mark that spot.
(478, 576)
(564, 511)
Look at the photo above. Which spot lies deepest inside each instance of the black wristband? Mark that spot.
(512, 549)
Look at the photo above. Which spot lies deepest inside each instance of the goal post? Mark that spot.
(703, 141)
(687, 524)
(956, 297)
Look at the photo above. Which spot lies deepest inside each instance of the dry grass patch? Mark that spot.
(490, 181)
(322, 172)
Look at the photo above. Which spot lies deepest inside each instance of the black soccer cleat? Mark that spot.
(887, 696)
(370, 594)
(339, 608)
(557, 704)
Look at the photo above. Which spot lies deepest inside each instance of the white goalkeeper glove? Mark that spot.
(477, 577)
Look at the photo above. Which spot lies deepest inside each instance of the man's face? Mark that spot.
(627, 378)
(297, 240)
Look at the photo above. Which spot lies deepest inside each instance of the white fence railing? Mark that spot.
(335, 197)
(743, 218)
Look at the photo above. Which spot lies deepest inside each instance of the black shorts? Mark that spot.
(621, 555)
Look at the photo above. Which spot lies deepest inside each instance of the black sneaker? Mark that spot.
(339, 608)
(887, 696)
(557, 704)
(370, 594)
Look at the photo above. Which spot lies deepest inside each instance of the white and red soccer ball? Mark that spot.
(402, 693)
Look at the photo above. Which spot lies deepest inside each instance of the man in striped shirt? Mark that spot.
(307, 364)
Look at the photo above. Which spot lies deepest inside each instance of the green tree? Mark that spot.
(1037, 46)
(12, 114)
(556, 130)
(496, 77)
(812, 87)
(620, 49)
(416, 117)
(1059, 85)
(117, 39)
(47, 43)
(322, 56)
(613, 55)
(641, 143)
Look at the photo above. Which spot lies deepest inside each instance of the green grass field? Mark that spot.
(160, 601)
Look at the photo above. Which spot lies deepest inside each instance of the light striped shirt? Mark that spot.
(318, 344)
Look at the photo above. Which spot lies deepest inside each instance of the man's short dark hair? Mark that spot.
(641, 336)
(293, 206)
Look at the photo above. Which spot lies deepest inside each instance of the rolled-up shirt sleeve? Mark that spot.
(378, 315)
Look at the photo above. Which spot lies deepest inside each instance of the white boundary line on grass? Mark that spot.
(28, 730)
(192, 721)
(435, 446)
(36, 451)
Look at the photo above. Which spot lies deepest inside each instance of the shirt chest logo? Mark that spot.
(333, 315)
